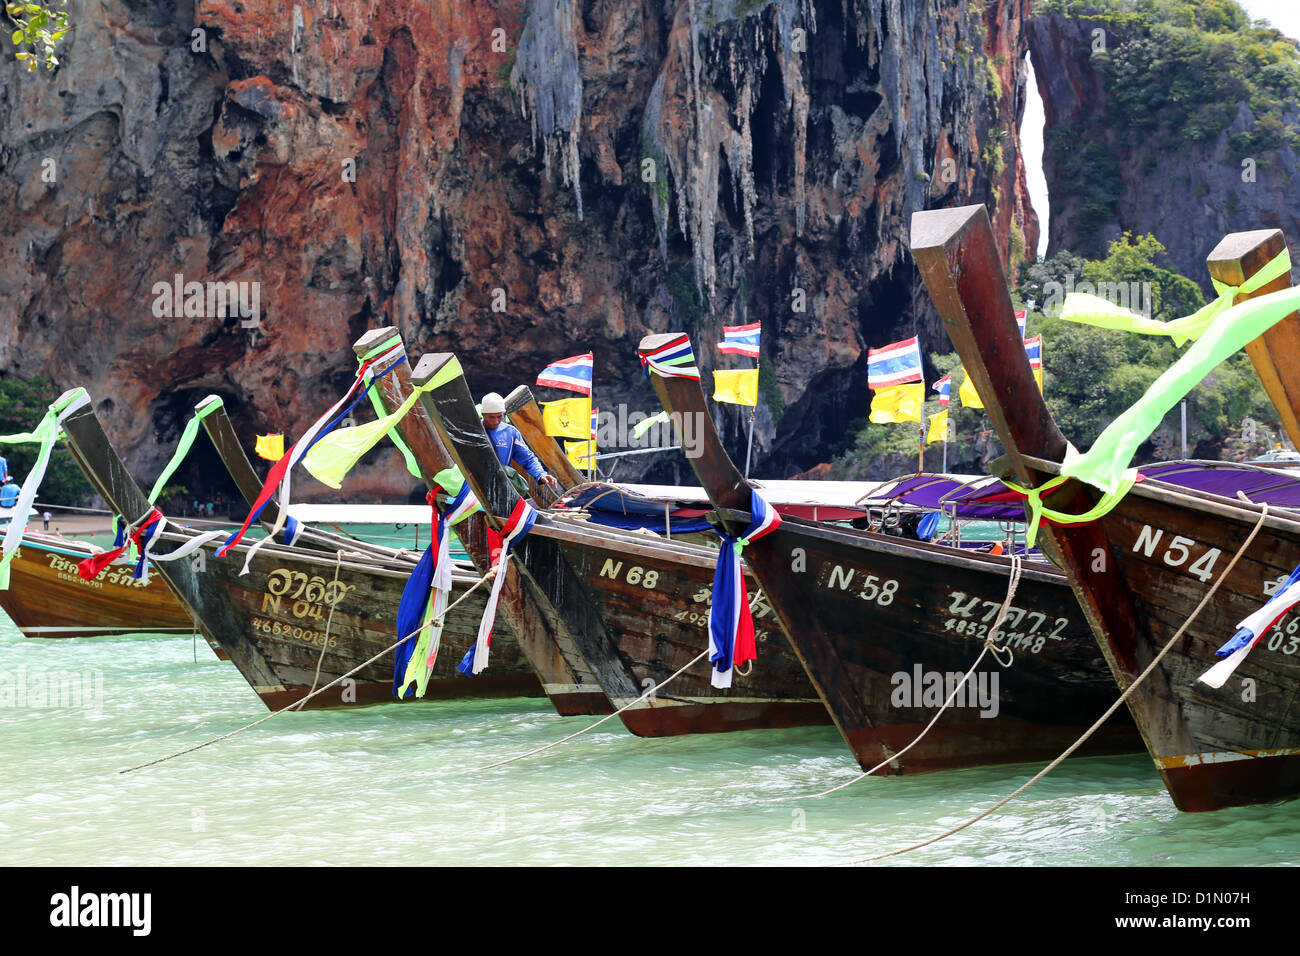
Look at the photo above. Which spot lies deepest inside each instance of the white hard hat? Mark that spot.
(493, 404)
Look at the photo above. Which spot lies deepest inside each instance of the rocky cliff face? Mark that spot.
(515, 181)
(1189, 197)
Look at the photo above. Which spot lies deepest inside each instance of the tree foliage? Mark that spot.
(22, 406)
(38, 29)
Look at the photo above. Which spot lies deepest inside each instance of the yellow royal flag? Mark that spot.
(898, 403)
(579, 454)
(739, 386)
(969, 397)
(1038, 377)
(568, 418)
(270, 447)
(938, 428)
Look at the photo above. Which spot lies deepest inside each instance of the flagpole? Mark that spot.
(920, 455)
(750, 447)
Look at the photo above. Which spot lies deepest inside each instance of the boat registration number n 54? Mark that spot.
(1177, 551)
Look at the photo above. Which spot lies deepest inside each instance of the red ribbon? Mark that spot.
(91, 567)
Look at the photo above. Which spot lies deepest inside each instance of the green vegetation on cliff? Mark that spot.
(1179, 69)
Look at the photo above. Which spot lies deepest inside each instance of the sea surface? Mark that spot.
(394, 784)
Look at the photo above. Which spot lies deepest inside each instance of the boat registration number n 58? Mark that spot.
(868, 587)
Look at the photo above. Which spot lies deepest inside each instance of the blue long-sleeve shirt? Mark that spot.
(511, 447)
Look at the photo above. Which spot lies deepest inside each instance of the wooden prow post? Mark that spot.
(466, 441)
(232, 454)
(684, 400)
(416, 428)
(526, 415)
(1276, 353)
(958, 259)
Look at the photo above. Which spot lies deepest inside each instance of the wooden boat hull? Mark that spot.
(1239, 743)
(886, 628)
(47, 598)
(284, 603)
(654, 601)
(274, 622)
(1142, 569)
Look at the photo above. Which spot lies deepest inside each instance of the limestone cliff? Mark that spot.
(515, 180)
(1147, 132)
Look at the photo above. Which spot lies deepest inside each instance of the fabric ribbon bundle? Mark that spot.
(521, 520)
(143, 538)
(1251, 631)
(424, 599)
(281, 472)
(731, 624)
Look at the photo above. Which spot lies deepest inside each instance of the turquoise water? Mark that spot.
(389, 784)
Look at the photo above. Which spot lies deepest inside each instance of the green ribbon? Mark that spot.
(1106, 464)
(331, 458)
(641, 427)
(186, 442)
(1093, 310)
(1038, 511)
(46, 433)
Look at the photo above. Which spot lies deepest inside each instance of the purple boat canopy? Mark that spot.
(988, 498)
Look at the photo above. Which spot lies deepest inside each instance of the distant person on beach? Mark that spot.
(510, 445)
(46, 516)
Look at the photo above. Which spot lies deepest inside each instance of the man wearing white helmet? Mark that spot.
(509, 444)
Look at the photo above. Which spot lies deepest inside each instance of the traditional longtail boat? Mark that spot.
(46, 597)
(1140, 569)
(637, 605)
(565, 675)
(301, 616)
(885, 626)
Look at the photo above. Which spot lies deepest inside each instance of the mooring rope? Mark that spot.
(648, 693)
(299, 703)
(989, 646)
(325, 641)
(1100, 720)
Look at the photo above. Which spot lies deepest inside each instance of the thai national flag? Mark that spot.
(895, 364)
(944, 388)
(595, 412)
(731, 625)
(571, 373)
(1251, 631)
(1020, 321)
(741, 339)
(1034, 349)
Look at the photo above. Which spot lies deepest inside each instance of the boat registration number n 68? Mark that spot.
(1177, 551)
